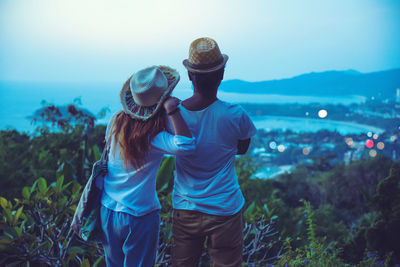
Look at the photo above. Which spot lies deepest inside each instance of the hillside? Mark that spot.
(380, 84)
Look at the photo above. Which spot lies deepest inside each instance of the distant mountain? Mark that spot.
(380, 84)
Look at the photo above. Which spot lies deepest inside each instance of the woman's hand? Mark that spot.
(175, 117)
(171, 104)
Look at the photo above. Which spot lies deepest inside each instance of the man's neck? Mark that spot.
(200, 101)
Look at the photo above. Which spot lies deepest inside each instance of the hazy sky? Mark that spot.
(88, 40)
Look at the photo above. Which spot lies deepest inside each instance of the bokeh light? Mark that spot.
(369, 134)
(372, 153)
(380, 145)
(306, 151)
(281, 148)
(349, 141)
(322, 113)
(393, 138)
(369, 143)
(375, 136)
(272, 145)
(307, 113)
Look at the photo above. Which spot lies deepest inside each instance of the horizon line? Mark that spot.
(238, 79)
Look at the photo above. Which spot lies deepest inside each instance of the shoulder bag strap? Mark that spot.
(106, 150)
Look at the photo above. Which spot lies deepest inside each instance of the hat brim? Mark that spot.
(136, 111)
(188, 66)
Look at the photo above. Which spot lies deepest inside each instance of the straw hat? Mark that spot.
(204, 56)
(147, 89)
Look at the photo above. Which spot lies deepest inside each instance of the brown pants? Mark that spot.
(224, 238)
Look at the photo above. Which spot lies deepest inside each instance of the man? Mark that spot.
(207, 199)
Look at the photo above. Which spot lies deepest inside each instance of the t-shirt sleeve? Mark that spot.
(173, 144)
(245, 125)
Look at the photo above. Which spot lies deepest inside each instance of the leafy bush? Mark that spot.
(317, 253)
(35, 230)
(24, 158)
(382, 232)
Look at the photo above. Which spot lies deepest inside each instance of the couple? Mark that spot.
(207, 133)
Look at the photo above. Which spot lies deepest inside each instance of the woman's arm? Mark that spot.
(173, 112)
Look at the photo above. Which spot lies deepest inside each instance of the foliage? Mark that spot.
(23, 158)
(35, 230)
(262, 243)
(317, 253)
(382, 233)
(64, 118)
(342, 198)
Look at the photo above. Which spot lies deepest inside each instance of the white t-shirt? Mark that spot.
(206, 179)
(134, 190)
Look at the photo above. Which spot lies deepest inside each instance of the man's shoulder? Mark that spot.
(230, 108)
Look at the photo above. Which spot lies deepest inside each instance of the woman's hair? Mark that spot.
(134, 136)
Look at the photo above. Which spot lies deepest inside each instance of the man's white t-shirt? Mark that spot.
(206, 180)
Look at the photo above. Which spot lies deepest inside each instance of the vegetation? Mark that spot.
(35, 228)
(318, 215)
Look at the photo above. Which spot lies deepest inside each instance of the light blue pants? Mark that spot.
(130, 240)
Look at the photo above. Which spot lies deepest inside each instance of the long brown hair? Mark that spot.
(134, 136)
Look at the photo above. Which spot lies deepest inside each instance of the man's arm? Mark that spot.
(242, 146)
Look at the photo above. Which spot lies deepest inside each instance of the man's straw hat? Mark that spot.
(146, 91)
(204, 56)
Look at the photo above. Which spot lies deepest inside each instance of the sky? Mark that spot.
(99, 40)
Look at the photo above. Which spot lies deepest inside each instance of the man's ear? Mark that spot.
(222, 74)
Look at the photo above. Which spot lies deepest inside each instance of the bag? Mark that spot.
(86, 221)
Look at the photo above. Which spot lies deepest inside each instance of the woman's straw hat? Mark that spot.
(204, 56)
(146, 91)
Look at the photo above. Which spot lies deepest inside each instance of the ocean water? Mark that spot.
(298, 125)
(19, 100)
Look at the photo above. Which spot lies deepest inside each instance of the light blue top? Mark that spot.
(206, 180)
(134, 190)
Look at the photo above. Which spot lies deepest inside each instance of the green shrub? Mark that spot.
(35, 229)
(317, 253)
(380, 232)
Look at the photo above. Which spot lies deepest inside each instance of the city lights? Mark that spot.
(322, 113)
(306, 151)
(349, 141)
(380, 145)
(372, 153)
(369, 143)
(272, 145)
(281, 148)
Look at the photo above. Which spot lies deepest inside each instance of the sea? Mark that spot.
(19, 100)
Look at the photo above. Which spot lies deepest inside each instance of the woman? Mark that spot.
(138, 140)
